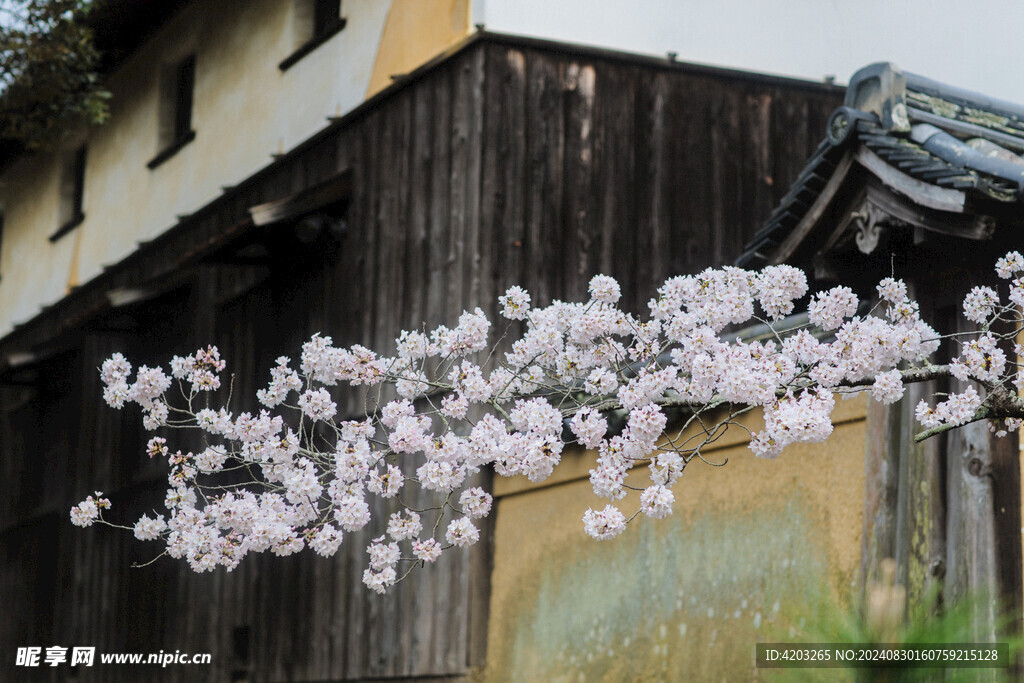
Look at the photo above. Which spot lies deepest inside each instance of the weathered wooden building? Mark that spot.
(922, 180)
(501, 161)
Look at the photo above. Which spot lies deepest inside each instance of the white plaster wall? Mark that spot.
(972, 45)
(245, 109)
(27, 272)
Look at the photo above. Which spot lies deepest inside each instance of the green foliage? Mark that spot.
(48, 62)
(886, 618)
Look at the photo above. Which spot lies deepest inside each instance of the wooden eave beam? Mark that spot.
(972, 226)
(335, 189)
(920, 192)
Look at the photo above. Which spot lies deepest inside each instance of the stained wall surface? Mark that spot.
(751, 548)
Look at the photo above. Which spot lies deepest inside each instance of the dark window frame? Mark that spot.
(326, 23)
(326, 17)
(72, 193)
(178, 100)
(185, 86)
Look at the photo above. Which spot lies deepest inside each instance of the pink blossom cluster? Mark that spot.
(586, 374)
(89, 510)
(201, 369)
(983, 359)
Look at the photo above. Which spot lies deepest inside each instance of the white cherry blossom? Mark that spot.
(644, 396)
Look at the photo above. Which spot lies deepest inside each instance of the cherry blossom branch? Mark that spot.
(585, 375)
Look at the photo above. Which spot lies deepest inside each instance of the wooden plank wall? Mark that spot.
(504, 165)
(946, 510)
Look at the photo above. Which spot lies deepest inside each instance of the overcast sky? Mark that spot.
(971, 45)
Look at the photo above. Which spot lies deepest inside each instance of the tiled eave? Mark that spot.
(941, 148)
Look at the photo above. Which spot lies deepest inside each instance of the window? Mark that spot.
(326, 16)
(185, 82)
(72, 192)
(178, 90)
(315, 21)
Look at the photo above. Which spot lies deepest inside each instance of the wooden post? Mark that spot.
(948, 510)
(984, 525)
(881, 468)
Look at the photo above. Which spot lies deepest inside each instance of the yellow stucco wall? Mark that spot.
(245, 110)
(685, 598)
(415, 31)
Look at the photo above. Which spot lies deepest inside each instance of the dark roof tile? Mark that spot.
(886, 109)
